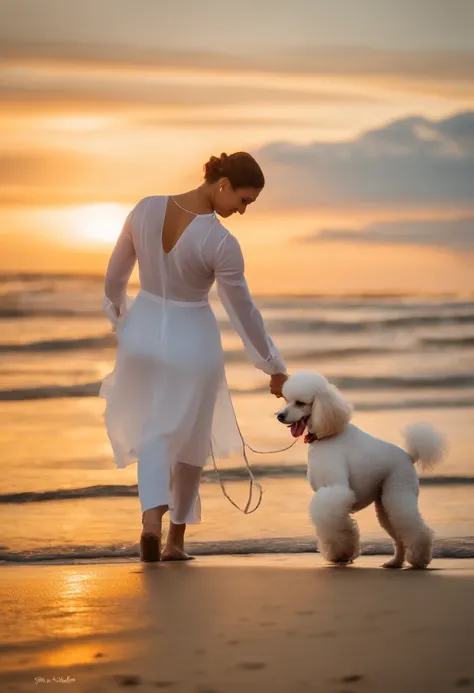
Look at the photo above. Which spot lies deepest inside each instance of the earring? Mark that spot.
(221, 189)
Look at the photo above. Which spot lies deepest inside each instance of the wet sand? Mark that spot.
(237, 624)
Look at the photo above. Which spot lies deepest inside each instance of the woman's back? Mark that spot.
(168, 403)
(186, 272)
(204, 252)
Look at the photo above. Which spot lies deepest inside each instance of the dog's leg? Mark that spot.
(400, 501)
(399, 558)
(338, 534)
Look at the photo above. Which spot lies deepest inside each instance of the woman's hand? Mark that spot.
(277, 381)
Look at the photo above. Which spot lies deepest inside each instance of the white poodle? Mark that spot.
(348, 469)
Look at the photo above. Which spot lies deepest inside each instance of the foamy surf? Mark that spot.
(453, 547)
(461, 381)
(232, 474)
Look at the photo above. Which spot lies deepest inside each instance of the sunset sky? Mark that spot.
(360, 113)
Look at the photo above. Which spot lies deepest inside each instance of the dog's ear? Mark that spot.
(330, 412)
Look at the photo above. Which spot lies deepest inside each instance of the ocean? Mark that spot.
(398, 359)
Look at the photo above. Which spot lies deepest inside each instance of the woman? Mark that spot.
(168, 405)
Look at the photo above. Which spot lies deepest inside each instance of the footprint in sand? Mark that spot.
(352, 678)
(252, 666)
(128, 680)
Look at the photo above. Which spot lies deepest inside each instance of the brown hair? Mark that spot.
(240, 168)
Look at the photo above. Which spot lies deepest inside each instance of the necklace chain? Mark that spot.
(184, 209)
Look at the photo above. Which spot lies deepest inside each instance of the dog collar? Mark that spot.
(310, 438)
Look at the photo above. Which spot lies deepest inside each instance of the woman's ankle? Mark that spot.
(176, 534)
(152, 518)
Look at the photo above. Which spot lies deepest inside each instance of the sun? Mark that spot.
(98, 223)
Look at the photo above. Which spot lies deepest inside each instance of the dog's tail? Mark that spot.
(425, 445)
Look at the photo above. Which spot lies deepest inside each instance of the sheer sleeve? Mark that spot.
(244, 315)
(119, 269)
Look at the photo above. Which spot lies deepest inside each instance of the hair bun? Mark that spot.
(240, 168)
(215, 166)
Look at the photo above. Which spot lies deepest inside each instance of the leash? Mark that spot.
(253, 482)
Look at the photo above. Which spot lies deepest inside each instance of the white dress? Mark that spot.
(167, 400)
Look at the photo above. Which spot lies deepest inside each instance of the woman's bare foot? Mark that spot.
(174, 549)
(150, 540)
(150, 548)
(172, 553)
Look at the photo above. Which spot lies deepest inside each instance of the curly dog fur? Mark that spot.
(348, 469)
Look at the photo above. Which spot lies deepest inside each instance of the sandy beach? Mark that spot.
(195, 189)
(250, 623)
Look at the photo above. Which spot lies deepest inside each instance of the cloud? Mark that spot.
(118, 55)
(52, 87)
(413, 163)
(353, 61)
(118, 96)
(56, 177)
(409, 164)
(453, 234)
(334, 61)
(38, 168)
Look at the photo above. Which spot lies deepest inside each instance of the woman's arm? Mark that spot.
(119, 269)
(245, 317)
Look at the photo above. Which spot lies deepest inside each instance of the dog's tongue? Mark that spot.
(297, 428)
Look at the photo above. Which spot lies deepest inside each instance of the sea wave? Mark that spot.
(275, 326)
(101, 342)
(50, 392)
(445, 547)
(109, 340)
(18, 312)
(232, 474)
(443, 342)
(409, 382)
(290, 325)
(459, 381)
(106, 341)
(50, 304)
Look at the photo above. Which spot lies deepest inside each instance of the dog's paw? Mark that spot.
(394, 564)
(342, 560)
